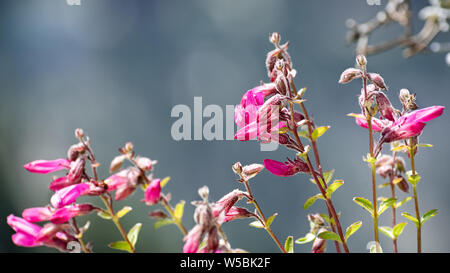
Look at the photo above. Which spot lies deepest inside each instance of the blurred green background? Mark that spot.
(116, 69)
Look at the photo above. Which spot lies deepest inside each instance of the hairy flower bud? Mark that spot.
(158, 214)
(272, 58)
(128, 147)
(252, 170)
(377, 80)
(350, 74)
(76, 170)
(237, 168)
(145, 163)
(408, 101)
(385, 106)
(74, 151)
(116, 163)
(79, 133)
(361, 60)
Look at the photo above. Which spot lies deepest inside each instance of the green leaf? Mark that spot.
(329, 235)
(364, 203)
(399, 148)
(164, 181)
(303, 134)
(289, 244)
(425, 145)
(120, 245)
(328, 175)
(383, 185)
(309, 237)
(283, 130)
(334, 186)
(179, 208)
(413, 179)
(410, 217)
(387, 231)
(327, 218)
(311, 200)
(428, 215)
(163, 222)
(401, 203)
(121, 213)
(133, 234)
(319, 132)
(270, 220)
(385, 204)
(352, 229)
(256, 224)
(104, 214)
(398, 229)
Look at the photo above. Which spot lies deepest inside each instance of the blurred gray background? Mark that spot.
(116, 69)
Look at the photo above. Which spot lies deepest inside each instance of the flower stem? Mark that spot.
(394, 220)
(416, 201)
(261, 216)
(116, 221)
(79, 235)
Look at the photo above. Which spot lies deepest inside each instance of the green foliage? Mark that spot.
(163, 222)
(270, 220)
(401, 203)
(413, 179)
(309, 237)
(334, 186)
(385, 204)
(411, 218)
(364, 203)
(328, 175)
(329, 235)
(311, 200)
(352, 229)
(428, 215)
(164, 182)
(121, 213)
(256, 224)
(133, 234)
(104, 214)
(121, 245)
(179, 208)
(319, 131)
(289, 244)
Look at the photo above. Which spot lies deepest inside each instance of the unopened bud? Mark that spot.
(385, 106)
(204, 192)
(158, 214)
(402, 184)
(361, 60)
(350, 74)
(74, 151)
(252, 170)
(116, 163)
(408, 101)
(145, 163)
(275, 38)
(237, 168)
(128, 147)
(79, 133)
(377, 80)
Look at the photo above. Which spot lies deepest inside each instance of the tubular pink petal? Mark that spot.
(25, 240)
(21, 225)
(153, 192)
(69, 195)
(47, 166)
(37, 214)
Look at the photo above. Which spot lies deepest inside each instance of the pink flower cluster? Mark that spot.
(63, 207)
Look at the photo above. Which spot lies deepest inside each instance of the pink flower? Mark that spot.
(47, 166)
(411, 124)
(62, 215)
(69, 195)
(192, 239)
(288, 168)
(237, 213)
(124, 182)
(377, 124)
(256, 95)
(60, 183)
(21, 225)
(37, 214)
(153, 192)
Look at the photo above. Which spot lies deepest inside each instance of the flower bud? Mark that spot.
(385, 106)
(408, 101)
(350, 74)
(116, 163)
(158, 214)
(274, 38)
(252, 170)
(361, 60)
(79, 133)
(377, 80)
(145, 163)
(402, 184)
(204, 192)
(76, 170)
(74, 151)
(237, 168)
(128, 147)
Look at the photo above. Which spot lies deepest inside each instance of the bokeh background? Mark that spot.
(116, 69)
